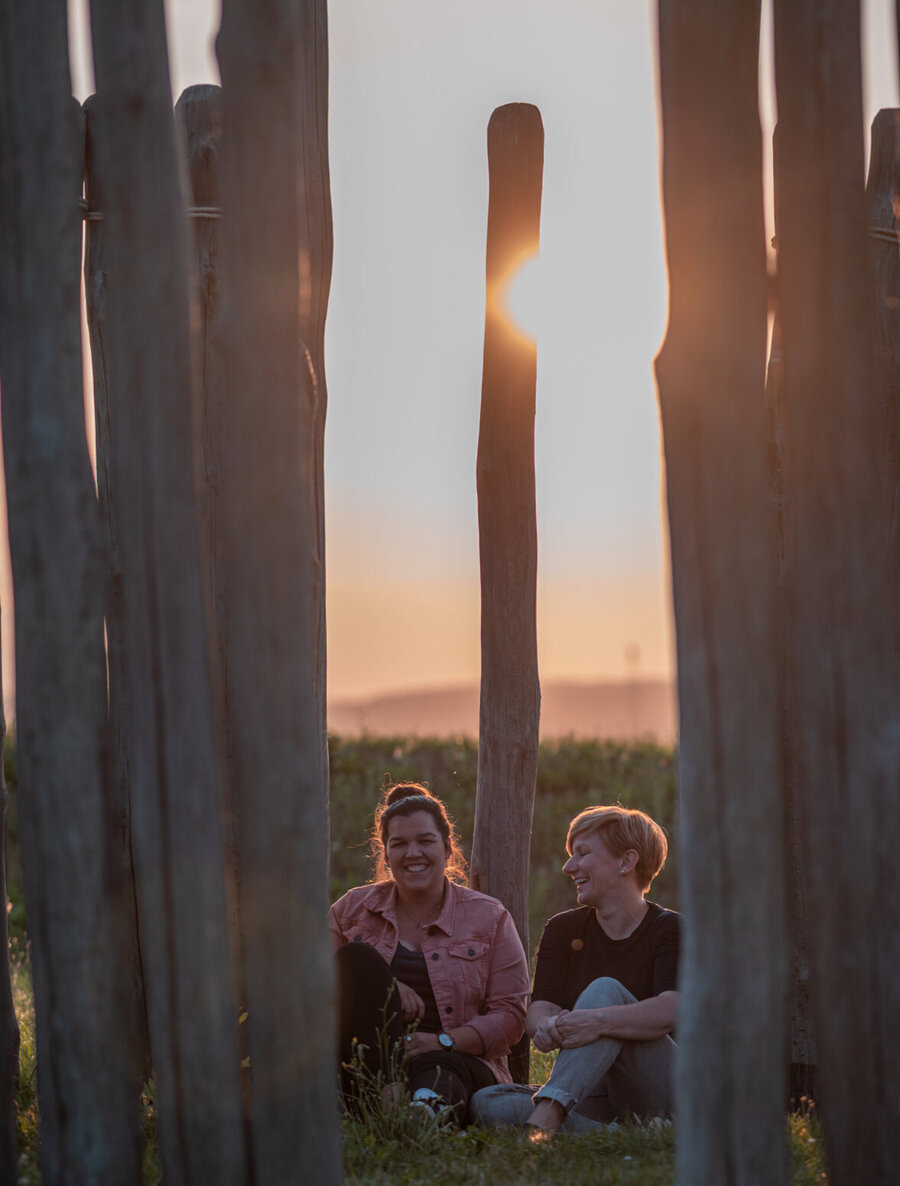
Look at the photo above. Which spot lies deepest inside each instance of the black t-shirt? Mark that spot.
(410, 967)
(574, 950)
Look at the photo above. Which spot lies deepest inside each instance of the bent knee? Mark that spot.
(604, 991)
(504, 1103)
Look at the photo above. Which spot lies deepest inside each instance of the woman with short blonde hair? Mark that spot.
(605, 986)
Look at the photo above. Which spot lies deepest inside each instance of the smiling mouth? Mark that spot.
(417, 868)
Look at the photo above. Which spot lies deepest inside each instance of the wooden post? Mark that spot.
(75, 874)
(9, 1028)
(271, 488)
(102, 329)
(882, 196)
(173, 763)
(801, 1076)
(316, 253)
(841, 616)
(732, 1026)
(510, 690)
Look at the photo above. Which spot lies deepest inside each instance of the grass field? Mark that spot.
(397, 1149)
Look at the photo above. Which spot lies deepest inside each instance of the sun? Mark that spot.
(522, 297)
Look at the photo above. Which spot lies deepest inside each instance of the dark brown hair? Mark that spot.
(405, 798)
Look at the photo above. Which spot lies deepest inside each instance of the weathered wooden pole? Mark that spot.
(882, 194)
(507, 528)
(316, 254)
(198, 114)
(75, 873)
(801, 1075)
(732, 1030)
(174, 771)
(272, 563)
(9, 1027)
(841, 616)
(102, 328)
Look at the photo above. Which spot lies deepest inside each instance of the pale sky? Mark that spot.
(413, 85)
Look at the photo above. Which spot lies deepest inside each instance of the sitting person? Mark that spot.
(416, 948)
(604, 987)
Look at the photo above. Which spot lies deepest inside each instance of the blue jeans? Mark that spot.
(607, 1079)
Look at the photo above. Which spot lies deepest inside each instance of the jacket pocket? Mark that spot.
(469, 960)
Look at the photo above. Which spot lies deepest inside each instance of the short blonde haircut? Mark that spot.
(621, 829)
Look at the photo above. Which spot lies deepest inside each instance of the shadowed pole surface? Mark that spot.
(732, 1021)
(270, 453)
(801, 1076)
(841, 619)
(75, 874)
(507, 530)
(103, 327)
(9, 1027)
(174, 770)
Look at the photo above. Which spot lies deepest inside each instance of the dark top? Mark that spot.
(574, 950)
(410, 967)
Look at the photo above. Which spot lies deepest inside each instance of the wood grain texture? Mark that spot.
(9, 1026)
(101, 329)
(801, 1079)
(732, 1026)
(316, 255)
(174, 767)
(841, 616)
(271, 529)
(75, 872)
(507, 528)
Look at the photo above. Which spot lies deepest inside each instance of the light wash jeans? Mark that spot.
(597, 1083)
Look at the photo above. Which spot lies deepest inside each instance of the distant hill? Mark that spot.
(622, 709)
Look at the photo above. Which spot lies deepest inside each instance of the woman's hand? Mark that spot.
(419, 1043)
(578, 1027)
(412, 1004)
(546, 1036)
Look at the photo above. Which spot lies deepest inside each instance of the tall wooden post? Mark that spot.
(711, 375)
(9, 1027)
(801, 1077)
(271, 535)
(75, 875)
(510, 690)
(316, 254)
(174, 770)
(882, 193)
(841, 615)
(103, 327)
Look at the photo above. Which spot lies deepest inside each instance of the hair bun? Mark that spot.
(407, 790)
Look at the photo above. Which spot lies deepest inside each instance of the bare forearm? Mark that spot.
(539, 1011)
(640, 1022)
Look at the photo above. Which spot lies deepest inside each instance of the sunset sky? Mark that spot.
(413, 84)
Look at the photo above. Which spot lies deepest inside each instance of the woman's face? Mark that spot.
(416, 854)
(594, 869)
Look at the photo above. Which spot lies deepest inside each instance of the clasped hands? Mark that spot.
(567, 1029)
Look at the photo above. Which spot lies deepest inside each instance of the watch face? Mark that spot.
(446, 1041)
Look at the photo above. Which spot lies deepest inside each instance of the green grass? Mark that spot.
(397, 1149)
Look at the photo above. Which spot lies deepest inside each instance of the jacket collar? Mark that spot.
(383, 901)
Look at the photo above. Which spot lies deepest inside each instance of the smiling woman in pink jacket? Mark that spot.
(432, 964)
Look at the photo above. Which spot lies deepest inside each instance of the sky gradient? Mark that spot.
(413, 85)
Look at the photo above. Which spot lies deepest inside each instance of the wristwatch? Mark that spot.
(446, 1041)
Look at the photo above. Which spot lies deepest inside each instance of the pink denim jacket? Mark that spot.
(474, 957)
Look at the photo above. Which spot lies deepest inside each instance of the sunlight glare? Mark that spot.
(523, 298)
